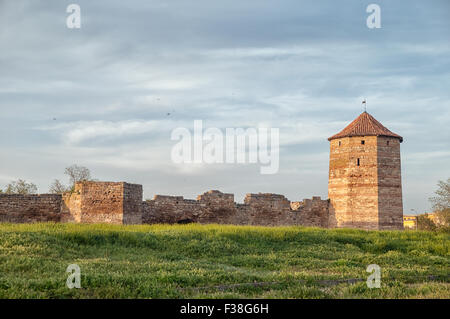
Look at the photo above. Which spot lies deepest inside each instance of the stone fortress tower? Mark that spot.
(365, 186)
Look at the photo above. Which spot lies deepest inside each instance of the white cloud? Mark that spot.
(77, 132)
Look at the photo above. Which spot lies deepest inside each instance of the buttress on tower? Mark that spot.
(365, 186)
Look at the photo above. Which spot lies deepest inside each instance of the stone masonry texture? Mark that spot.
(103, 202)
(30, 208)
(217, 207)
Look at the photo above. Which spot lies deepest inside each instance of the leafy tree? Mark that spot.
(77, 174)
(21, 187)
(58, 188)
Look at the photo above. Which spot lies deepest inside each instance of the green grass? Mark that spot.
(215, 261)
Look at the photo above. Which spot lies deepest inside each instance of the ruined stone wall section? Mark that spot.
(71, 207)
(314, 213)
(220, 208)
(170, 210)
(121, 203)
(103, 202)
(217, 207)
(16, 208)
(132, 204)
(269, 210)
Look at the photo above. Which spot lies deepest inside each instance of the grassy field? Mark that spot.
(214, 261)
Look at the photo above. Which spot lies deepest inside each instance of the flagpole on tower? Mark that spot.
(365, 105)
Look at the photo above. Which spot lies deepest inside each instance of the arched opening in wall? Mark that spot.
(185, 221)
(363, 142)
(339, 143)
(387, 143)
(357, 162)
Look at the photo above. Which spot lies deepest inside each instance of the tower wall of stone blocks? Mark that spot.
(352, 185)
(364, 186)
(390, 204)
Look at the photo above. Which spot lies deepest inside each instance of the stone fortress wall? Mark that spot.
(103, 202)
(30, 208)
(217, 207)
(364, 191)
(121, 203)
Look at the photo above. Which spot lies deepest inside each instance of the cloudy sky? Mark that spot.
(108, 95)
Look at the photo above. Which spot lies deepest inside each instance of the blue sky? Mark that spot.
(301, 66)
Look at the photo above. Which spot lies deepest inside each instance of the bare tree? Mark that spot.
(21, 187)
(58, 188)
(77, 174)
(441, 203)
(442, 199)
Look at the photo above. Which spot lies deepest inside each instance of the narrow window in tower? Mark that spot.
(363, 142)
(357, 162)
(387, 143)
(339, 143)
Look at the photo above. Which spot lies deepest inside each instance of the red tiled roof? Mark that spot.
(365, 125)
